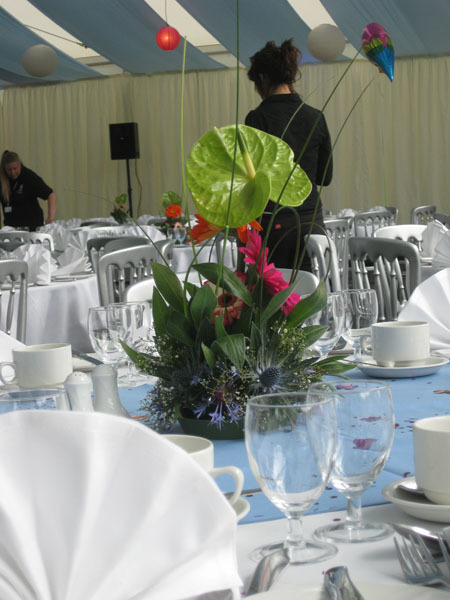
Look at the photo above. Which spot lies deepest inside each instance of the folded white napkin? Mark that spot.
(142, 220)
(430, 302)
(150, 230)
(39, 261)
(7, 228)
(98, 507)
(346, 212)
(73, 260)
(71, 223)
(431, 236)
(441, 256)
(7, 344)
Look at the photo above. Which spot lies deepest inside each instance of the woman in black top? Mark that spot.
(20, 189)
(274, 70)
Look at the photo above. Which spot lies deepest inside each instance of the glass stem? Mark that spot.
(295, 540)
(354, 513)
(357, 355)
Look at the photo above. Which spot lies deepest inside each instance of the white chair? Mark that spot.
(13, 275)
(423, 214)
(42, 238)
(445, 219)
(32, 237)
(305, 282)
(14, 236)
(376, 265)
(99, 506)
(339, 230)
(143, 290)
(121, 268)
(324, 260)
(408, 233)
(365, 223)
(125, 242)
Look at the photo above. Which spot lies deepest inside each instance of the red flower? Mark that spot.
(173, 211)
(273, 279)
(243, 231)
(203, 230)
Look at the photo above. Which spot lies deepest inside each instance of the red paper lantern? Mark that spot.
(167, 38)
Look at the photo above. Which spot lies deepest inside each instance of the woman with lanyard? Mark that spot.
(274, 71)
(20, 189)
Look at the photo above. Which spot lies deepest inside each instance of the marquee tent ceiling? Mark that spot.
(121, 33)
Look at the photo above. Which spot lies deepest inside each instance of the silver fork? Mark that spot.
(417, 563)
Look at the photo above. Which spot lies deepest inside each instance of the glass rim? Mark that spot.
(38, 391)
(259, 400)
(376, 385)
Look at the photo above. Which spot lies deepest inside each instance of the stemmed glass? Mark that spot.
(333, 317)
(102, 342)
(179, 234)
(365, 431)
(360, 313)
(34, 399)
(291, 440)
(129, 322)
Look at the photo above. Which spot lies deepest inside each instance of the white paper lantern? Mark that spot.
(326, 42)
(40, 60)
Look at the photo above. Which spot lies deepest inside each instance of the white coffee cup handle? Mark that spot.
(2, 378)
(238, 477)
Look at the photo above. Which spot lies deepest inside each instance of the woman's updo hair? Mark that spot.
(277, 65)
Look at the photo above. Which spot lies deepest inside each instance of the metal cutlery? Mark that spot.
(430, 538)
(267, 572)
(417, 563)
(339, 586)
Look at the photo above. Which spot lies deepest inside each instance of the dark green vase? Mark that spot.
(202, 428)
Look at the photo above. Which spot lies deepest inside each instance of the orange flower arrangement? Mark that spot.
(173, 211)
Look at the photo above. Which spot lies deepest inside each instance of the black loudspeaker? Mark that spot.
(124, 140)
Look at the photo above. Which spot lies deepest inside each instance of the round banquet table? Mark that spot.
(58, 312)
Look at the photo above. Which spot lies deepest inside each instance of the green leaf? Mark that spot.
(219, 327)
(169, 198)
(210, 168)
(308, 306)
(255, 338)
(160, 312)
(231, 347)
(230, 282)
(276, 302)
(205, 334)
(202, 305)
(178, 327)
(169, 285)
(209, 356)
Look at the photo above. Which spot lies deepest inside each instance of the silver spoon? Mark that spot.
(411, 486)
(339, 586)
(267, 571)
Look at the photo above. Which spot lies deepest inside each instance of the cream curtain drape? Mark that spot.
(393, 150)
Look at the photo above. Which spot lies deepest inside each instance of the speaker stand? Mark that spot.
(130, 201)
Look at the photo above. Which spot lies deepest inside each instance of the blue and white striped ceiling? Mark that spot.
(123, 31)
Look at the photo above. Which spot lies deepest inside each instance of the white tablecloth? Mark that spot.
(58, 312)
(374, 562)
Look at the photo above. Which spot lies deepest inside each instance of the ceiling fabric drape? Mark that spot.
(124, 31)
(393, 150)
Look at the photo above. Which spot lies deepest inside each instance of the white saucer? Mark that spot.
(241, 508)
(428, 367)
(370, 589)
(416, 506)
(72, 277)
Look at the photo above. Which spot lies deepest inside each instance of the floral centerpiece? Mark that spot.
(222, 336)
(120, 212)
(173, 211)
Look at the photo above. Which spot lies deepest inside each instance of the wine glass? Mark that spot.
(34, 399)
(332, 316)
(360, 313)
(365, 431)
(103, 344)
(179, 235)
(291, 441)
(129, 322)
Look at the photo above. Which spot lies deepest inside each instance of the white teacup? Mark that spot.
(431, 452)
(39, 366)
(400, 343)
(202, 451)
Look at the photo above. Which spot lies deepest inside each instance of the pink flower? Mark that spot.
(273, 279)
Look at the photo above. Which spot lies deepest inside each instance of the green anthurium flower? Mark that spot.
(260, 173)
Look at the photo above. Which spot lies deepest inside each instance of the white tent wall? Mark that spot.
(393, 150)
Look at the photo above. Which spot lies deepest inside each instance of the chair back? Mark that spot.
(42, 238)
(324, 260)
(10, 246)
(339, 230)
(13, 278)
(445, 219)
(98, 223)
(423, 214)
(165, 247)
(390, 267)
(305, 282)
(394, 211)
(125, 242)
(408, 233)
(14, 236)
(95, 247)
(119, 269)
(365, 223)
